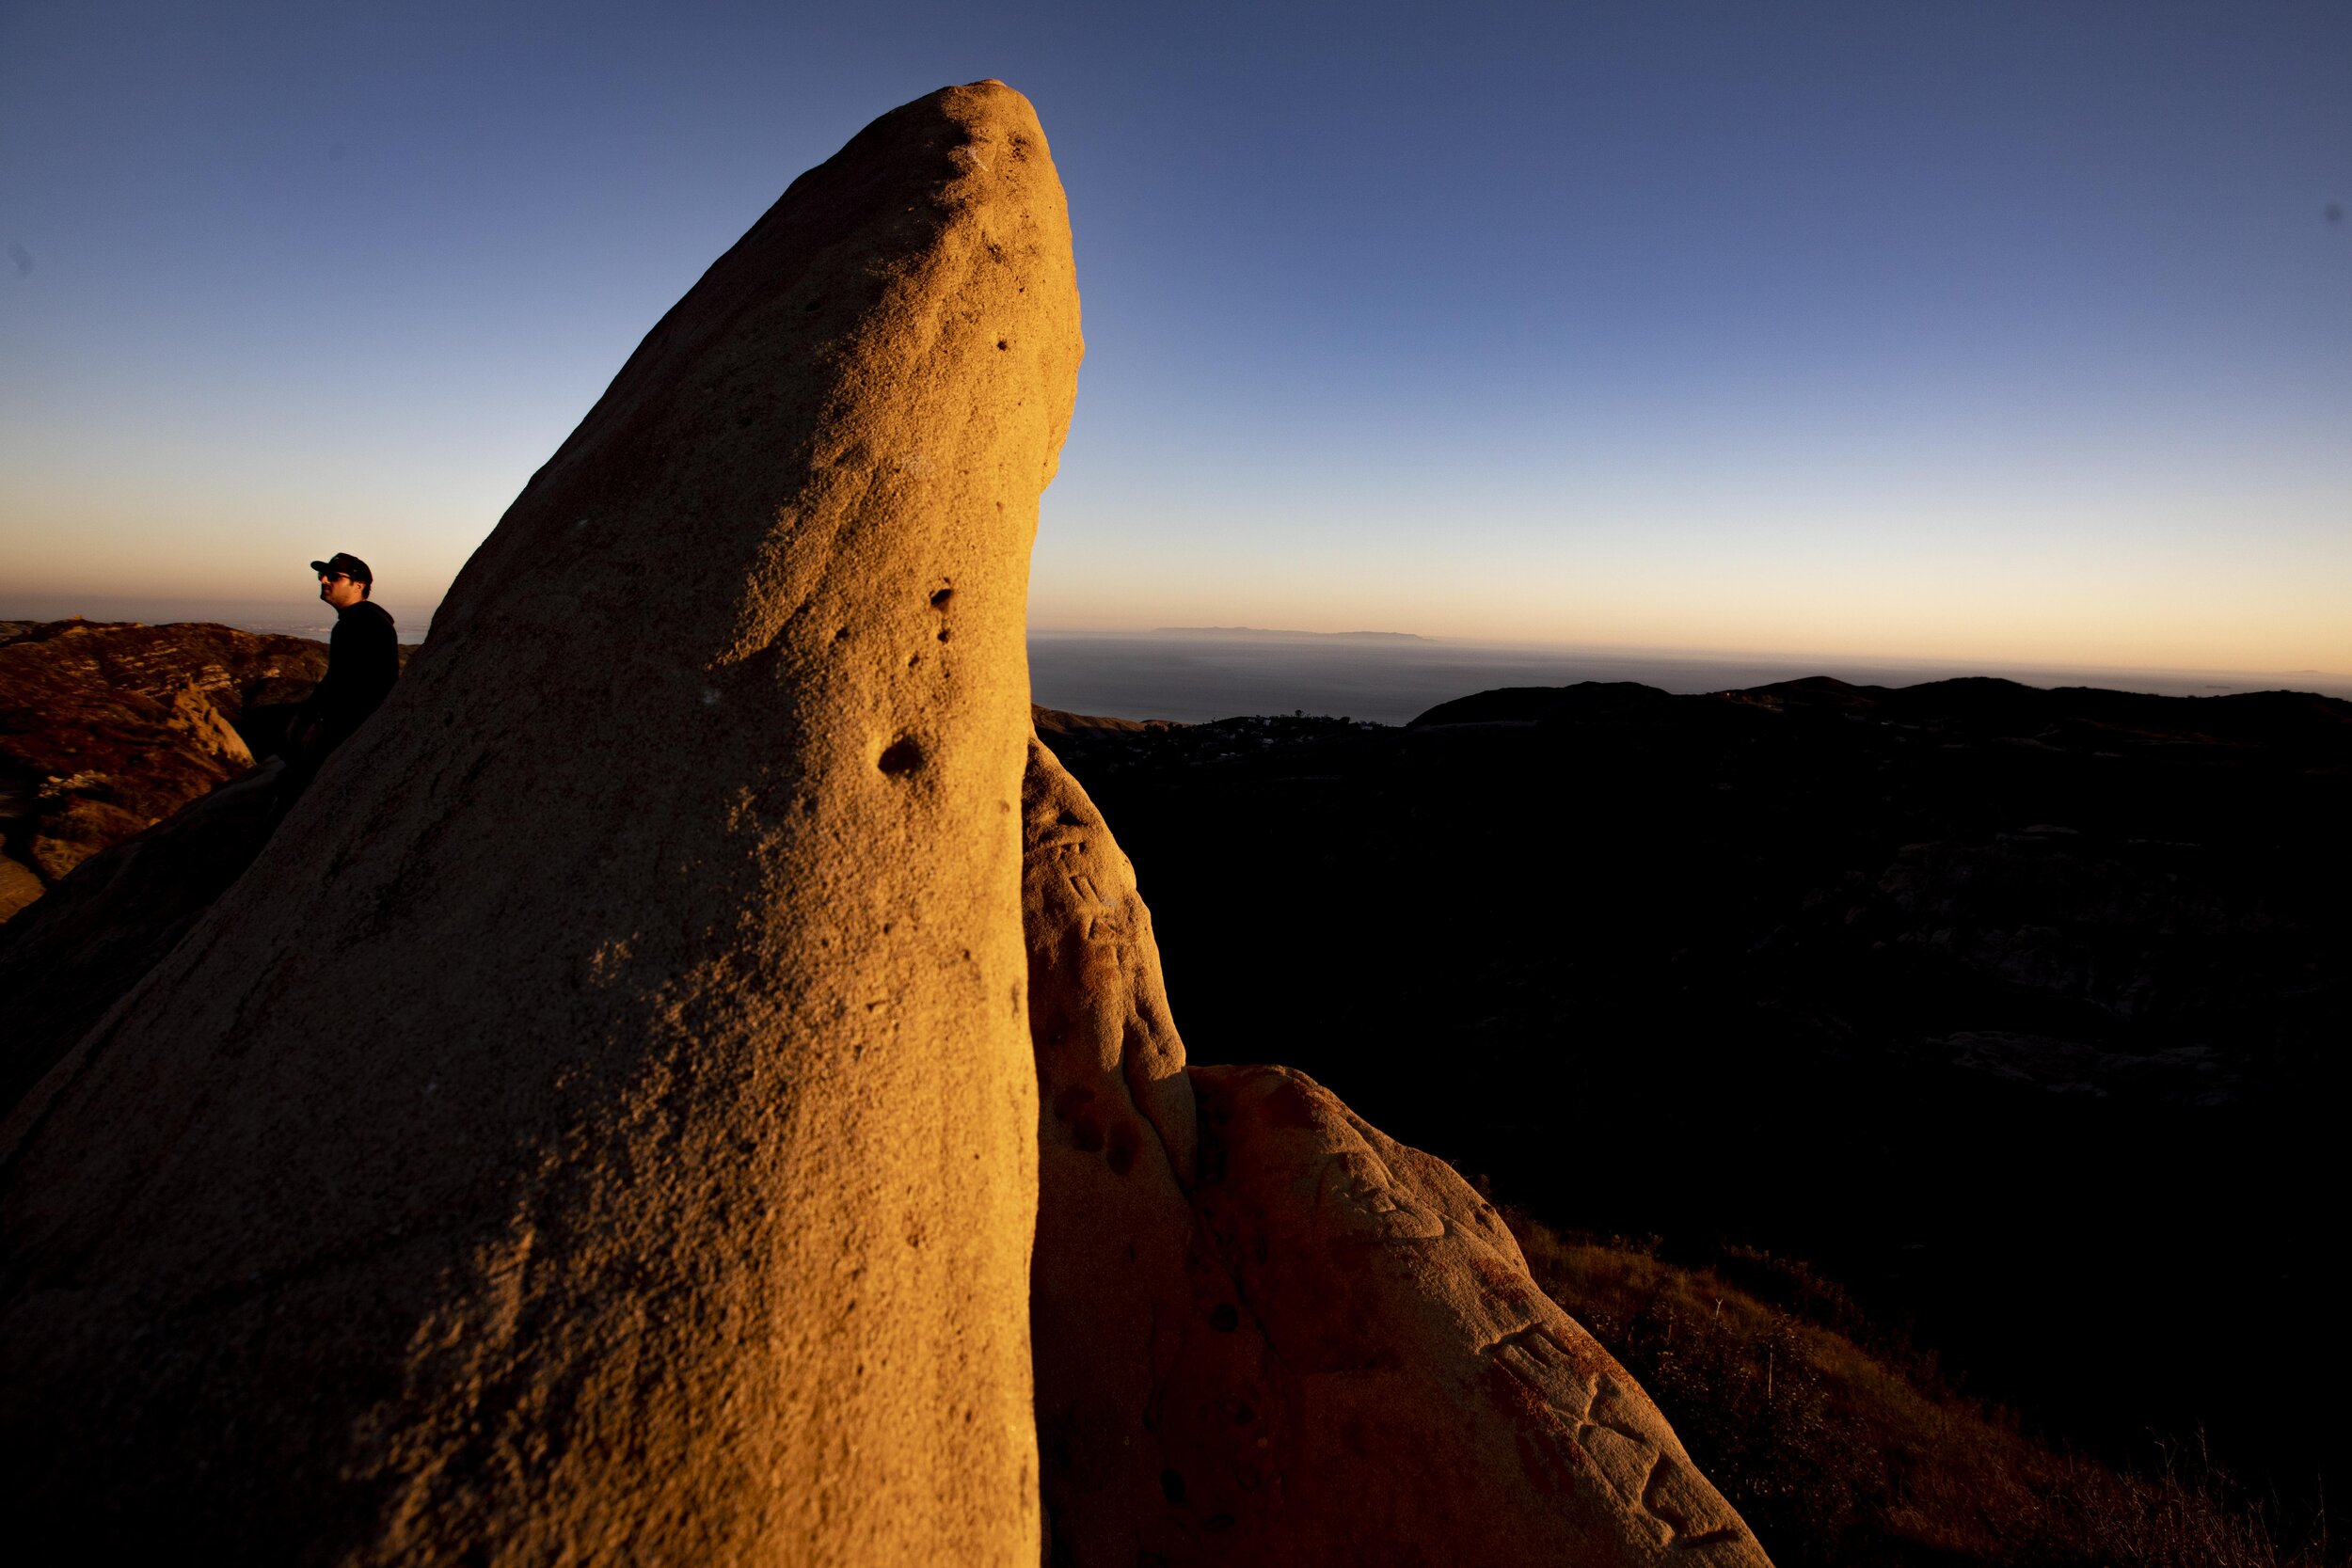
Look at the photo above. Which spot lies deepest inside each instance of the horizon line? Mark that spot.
(293, 605)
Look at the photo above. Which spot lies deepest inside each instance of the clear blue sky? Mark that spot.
(1904, 329)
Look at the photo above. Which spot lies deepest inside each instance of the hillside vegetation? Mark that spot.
(1846, 1448)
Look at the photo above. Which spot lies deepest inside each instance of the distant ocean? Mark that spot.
(297, 616)
(1197, 673)
(1219, 673)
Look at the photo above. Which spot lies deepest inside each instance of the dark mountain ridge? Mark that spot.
(2019, 1010)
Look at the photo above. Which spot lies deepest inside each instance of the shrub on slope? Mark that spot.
(1844, 1449)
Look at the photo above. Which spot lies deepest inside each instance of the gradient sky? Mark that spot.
(1939, 330)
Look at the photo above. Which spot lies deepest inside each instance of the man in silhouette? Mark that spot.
(362, 662)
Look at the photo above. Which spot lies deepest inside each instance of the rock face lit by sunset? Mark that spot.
(1328, 790)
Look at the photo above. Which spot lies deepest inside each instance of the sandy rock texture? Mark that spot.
(109, 727)
(1265, 1334)
(600, 1127)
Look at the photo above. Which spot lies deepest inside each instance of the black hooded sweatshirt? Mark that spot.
(362, 662)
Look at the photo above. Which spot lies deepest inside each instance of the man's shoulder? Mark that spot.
(370, 615)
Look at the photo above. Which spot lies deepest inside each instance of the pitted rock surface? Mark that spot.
(553, 1152)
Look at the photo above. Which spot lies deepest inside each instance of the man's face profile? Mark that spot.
(339, 590)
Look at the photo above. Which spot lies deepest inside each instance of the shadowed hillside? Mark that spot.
(2019, 1011)
(1844, 1444)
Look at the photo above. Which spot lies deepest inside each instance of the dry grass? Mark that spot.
(1859, 1457)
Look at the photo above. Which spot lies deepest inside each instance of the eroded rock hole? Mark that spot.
(939, 600)
(900, 757)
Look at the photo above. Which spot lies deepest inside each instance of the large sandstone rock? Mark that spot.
(1267, 1335)
(107, 728)
(600, 1127)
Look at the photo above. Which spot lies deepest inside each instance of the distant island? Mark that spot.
(1279, 635)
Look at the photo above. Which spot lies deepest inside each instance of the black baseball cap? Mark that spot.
(343, 565)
